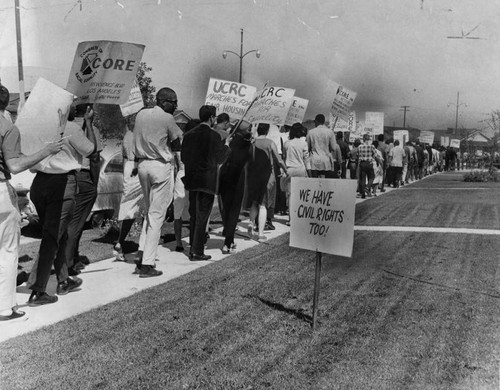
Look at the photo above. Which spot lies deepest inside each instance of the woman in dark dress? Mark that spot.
(232, 184)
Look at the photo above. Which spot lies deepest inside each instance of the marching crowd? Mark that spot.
(241, 166)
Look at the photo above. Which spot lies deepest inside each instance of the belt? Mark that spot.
(153, 159)
(72, 172)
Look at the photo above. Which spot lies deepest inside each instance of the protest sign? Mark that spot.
(445, 141)
(426, 137)
(271, 106)
(342, 102)
(104, 71)
(229, 97)
(43, 118)
(356, 129)
(134, 102)
(455, 143)
(402, 135)
(322, 215)
(375, 121)
(297, 111)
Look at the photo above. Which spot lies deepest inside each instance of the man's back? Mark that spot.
(154, 130)
(321, 143)
(202, 151)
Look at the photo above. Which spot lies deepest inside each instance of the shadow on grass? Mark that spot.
(278, 306)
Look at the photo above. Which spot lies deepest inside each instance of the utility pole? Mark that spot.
(404, 109)
(19, 56)
(457, 105)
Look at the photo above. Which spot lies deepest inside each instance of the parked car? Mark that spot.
(109, 188)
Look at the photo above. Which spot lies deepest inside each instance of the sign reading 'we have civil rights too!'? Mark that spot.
(322, 215)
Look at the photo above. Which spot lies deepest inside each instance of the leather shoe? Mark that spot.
(72, 271)
(84, 259)
(194, 257)
(68, 285)
(148, 271)
(79, 265)
(269, 226)
(41, 298)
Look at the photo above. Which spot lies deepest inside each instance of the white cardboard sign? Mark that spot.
(134, 102)
(271, 106)
(426, 137)
(375, 120)
(104, 71)
(455, 143)
(322, 215)
(44, 116)
(229, 97)
(297, 111)
(342, 102)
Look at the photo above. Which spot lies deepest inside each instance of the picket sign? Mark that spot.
(104, 71)
(322, 220)
(230, 97)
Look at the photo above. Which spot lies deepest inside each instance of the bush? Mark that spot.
(482, 176)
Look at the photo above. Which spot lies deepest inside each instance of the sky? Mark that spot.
(392, 53)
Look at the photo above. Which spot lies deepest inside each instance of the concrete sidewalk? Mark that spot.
(109, 280)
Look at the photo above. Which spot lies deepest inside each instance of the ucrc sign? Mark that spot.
(229, 97)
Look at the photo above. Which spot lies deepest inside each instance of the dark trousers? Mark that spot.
(352, 170)
(54, 199)
(343, 170)
(394, 176)
(327, 174)
(384, 177)
(84, 201)
(365, 172)
(232, 198)
(200, 206)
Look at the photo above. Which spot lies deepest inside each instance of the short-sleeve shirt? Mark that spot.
(10, 146)
(154, 130)
(397, 155)
(75, 146)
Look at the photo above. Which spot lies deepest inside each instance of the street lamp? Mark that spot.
(241, 55)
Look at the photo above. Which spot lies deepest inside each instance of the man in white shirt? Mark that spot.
(322, 146)
(156, 137)
(396, 156)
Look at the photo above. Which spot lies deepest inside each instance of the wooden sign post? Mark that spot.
(322, 220)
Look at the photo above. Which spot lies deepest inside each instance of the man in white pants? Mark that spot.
(12, 161)
(156, 137)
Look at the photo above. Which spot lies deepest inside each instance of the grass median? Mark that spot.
(419, 312)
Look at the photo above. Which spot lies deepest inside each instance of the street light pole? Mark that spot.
(241, 55)
(457, 105)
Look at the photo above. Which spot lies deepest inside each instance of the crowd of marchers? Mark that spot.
(241, 165)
